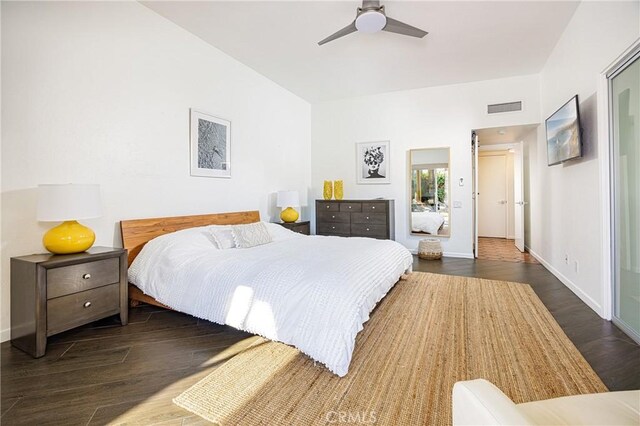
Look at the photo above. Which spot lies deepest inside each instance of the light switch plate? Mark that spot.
(457, 204)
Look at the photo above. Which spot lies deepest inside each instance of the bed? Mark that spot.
(426, 222)
(311, 292)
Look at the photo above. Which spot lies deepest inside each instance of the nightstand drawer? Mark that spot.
(374, 207)
(72, 279)
(371, 218)
(372, 231)
(333, 217)
(350, 207)
(80, 308)
(334, 228)
(325, 206)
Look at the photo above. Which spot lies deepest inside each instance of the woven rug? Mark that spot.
(429, 332)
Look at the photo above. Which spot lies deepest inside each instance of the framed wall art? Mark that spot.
(372, 162)
(210, 145)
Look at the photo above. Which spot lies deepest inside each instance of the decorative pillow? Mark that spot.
(222, 236)
(251, 235)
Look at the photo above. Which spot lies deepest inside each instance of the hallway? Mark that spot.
(502, 249)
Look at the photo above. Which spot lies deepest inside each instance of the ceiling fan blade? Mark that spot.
(351, 28)
(398, 27)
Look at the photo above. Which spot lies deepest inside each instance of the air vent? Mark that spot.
(506, 107)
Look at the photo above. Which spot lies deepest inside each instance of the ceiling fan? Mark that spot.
(371, 19)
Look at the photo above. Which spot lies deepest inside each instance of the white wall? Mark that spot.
(431, 117)
(530, 165)
(567, 220)
(99, 92)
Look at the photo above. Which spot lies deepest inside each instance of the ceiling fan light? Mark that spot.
(371, 22)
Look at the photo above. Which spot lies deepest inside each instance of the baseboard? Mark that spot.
(449, 254)
(458, 255)
(5, 335)
(567, 282)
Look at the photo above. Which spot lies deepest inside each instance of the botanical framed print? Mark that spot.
(210, 145)
(372, 162)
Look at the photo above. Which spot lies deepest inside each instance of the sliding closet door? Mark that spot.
(624, 88)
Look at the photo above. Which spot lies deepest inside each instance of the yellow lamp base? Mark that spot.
(289, 215)
(68, 237)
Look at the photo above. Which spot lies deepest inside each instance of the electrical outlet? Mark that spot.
(575, 264)
(457, 204)
(566, 259)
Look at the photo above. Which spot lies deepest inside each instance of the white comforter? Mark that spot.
(429, 222)
(314, 293)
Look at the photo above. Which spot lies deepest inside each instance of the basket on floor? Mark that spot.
(430, 249)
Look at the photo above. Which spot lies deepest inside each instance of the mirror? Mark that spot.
(429, 197)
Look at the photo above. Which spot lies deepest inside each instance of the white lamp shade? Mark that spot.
(68, 202)
(288, 199)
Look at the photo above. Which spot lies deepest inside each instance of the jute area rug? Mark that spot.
(429, 332)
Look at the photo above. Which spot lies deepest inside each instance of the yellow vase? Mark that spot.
(327, 193)
(338, 189)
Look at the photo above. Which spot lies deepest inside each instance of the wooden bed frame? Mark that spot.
(136, 233)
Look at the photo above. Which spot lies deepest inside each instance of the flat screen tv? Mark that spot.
(564, 141)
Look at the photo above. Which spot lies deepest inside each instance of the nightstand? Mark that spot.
(299, 227)
(54, 293)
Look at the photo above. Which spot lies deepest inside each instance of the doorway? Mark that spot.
(500, 207)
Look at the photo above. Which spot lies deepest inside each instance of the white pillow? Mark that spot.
(222, 236)
(251, 235)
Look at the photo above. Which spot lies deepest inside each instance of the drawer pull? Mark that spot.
(367, 217)
(333, 216)
(367, 229)
(328, 206)
(333, 227)
(349, 206)
(86, 276)
(86, 304)
(373, 207)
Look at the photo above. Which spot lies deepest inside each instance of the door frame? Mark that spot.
(605, 146)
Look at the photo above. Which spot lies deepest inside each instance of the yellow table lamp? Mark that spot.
(67, 203)
(288, 199)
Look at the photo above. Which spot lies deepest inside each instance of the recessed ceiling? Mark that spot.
(467, 41)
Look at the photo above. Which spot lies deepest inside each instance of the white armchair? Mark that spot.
(478, 402)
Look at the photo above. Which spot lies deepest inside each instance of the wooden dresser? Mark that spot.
(356, 218)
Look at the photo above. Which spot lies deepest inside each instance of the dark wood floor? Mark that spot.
(107, 374)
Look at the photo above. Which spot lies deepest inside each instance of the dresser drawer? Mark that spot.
(374, 207)
(72, 279)
(333, 217)
(350, 207)
(79, 308)
(333, 228)
(372, 231)
(326, 206)
(371, 218)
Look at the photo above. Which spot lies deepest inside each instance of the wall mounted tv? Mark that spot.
(564, 141)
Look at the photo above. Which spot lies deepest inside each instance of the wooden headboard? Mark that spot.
(136, 232)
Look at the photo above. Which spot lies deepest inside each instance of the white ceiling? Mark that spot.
(467, 41)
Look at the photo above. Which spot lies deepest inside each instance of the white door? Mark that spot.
(492, 196)
(518, 195)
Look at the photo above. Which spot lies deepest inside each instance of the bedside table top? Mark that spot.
(302, 222)
(50, 259)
